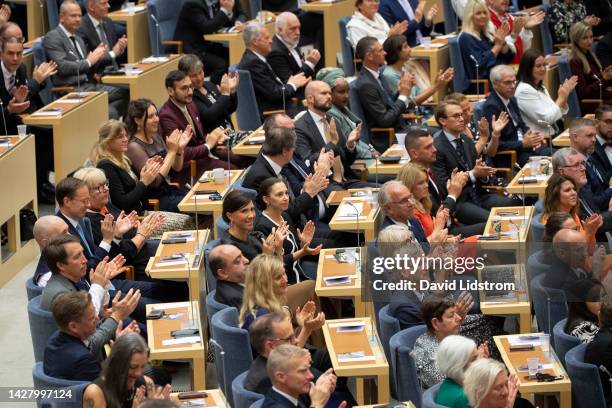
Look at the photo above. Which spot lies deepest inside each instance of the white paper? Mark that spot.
(346, 210)
(69, 101)
(149, 60)
(523, 340)
(188, 237)
(171, 263)
(181, 340)
(47, 113)
(512, 217)
(351, 359)
(200, 196)
(339, 280)
(434, 45)
(540, 367)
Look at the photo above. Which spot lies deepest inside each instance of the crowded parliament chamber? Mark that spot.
(306, 203)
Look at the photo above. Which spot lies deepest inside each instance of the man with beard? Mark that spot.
(602, 155)
(314, 132)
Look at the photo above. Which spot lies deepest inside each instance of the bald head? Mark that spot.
(570, 247)
(227, 263)
(47, 227)
(318, 97)
(11, 30)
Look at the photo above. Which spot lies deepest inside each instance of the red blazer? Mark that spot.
(171, 118)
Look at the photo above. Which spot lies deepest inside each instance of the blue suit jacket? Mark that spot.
(508, 140)
(393, 12)
(98, 252)
(275, 400)
(599, 185)
(481, 50)
(67, 357)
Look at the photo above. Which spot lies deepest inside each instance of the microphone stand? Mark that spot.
(4, 120)
(78, 73)
(215, 344)
(375, 162)
(600, 88)
(42, 16)
(477, 76)
(191, 324)
(156, 34)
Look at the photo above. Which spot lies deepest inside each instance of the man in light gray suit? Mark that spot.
(75, 66)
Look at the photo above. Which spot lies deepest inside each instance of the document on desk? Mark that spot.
(171, 263)
(348, 327)
(524, 340)
(181, 340)
(48, 112)
(339, 280)
(354, 356)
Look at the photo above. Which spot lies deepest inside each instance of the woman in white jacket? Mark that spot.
(536, 106)
(367, 22)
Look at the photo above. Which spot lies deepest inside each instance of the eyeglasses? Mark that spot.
(285, 339)
(102, 187)
(456, 115)
(508, 82)
(579, 165)
(403, 201)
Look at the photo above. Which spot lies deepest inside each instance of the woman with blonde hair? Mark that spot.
(128, 191)
(586, 66)
(478, 48)
(487, 385)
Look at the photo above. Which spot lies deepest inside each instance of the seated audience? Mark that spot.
(198, 18)
(555, 222)
(479, 50)
(442, 319)
(215, 103)
(128, 191)
(20, 95)
(266, 290)
(594, 80)
(454, 356)
(398, 60)
(537, 108)
(76, 66)
(367, 22)
(516, 135)
(97, 29)
(271, 92)
(288, 368)
(598, 350)
(45, 228)
(180, 112)
(520, 28)
(457, 151)
(274, 201)
(69, 354)
(602, 155)
(346, 121)
(563, 14)
(487, 385)
(122, 382)
(285, 58)
(583, 315)
(420, 23)
(228, 266)
(380, 108)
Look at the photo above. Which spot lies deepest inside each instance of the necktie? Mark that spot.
(587, 208)
(102, 35)
(76, 47)
(607, 144)
(326, 134)
(320, 196)
(11, 83)
(590, 165)
(81, 233)
(471, 189)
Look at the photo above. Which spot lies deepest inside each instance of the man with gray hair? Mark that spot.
(516, 135)
(200, 17)
(289, 369)
(271, 92)
(285, 58)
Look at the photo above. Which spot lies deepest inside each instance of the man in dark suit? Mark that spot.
(270, 91)
(228, 265)
(420, 23)
(67, 354)
(45, 228)
(20, 95)
(516, 135)
(75, 65)
(285, 58)
(599, 350)
(602, 155)
(380, 108)
(455, 151)
(200, 17)
(289, 370)
(315, 132)
(96, 28)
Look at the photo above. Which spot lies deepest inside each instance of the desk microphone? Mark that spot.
(600, 89)
(78, 72)
(550, 128)
(215, 344)
(477, 83)
(3, 118)
(42, 16)
(156, 33)
(191, 324)
(372, 149)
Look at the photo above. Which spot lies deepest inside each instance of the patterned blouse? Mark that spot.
(424, 355)
(585, 331)
(562, 16)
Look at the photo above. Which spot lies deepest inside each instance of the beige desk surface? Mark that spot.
(336, 197)
(137, 31)
(36, 18)
(514, 187)
(215, 398)
(514, 359)
(235, 42)
(75, 130)
(526, 213)
(246, 149)
(192, 202)
(149, 83)
(329, 267)
(367, 220)
(189, 272)
(332, 12)
(438, 60)
(393, 169)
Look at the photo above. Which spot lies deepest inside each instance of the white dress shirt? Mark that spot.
(7, 76)
(295, 54)
(537, 105)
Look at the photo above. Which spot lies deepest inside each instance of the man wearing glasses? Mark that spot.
(516, 135)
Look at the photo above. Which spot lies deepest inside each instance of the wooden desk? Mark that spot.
(159, 330)
(438, 60)
(201, 203)
(329, 267)
(149, 83)
(551, 79)
(244, 149)
(36, 17)
(393, 169)
(562, 140)
(191, 271)
(332, 12)
(215, 398)
(18, 162)
(503, 224)
(75, 130)
(367, 219)
(514, 359)
(336, 197)
(366, 341)
(235, 42)
(137, 27)
(519, 305)
(539, 188)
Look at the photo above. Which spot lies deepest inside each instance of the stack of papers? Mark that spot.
(348, 327)
(354, 356)
(524, 340)
(339, 280)
(181, 340)
(48, 112)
